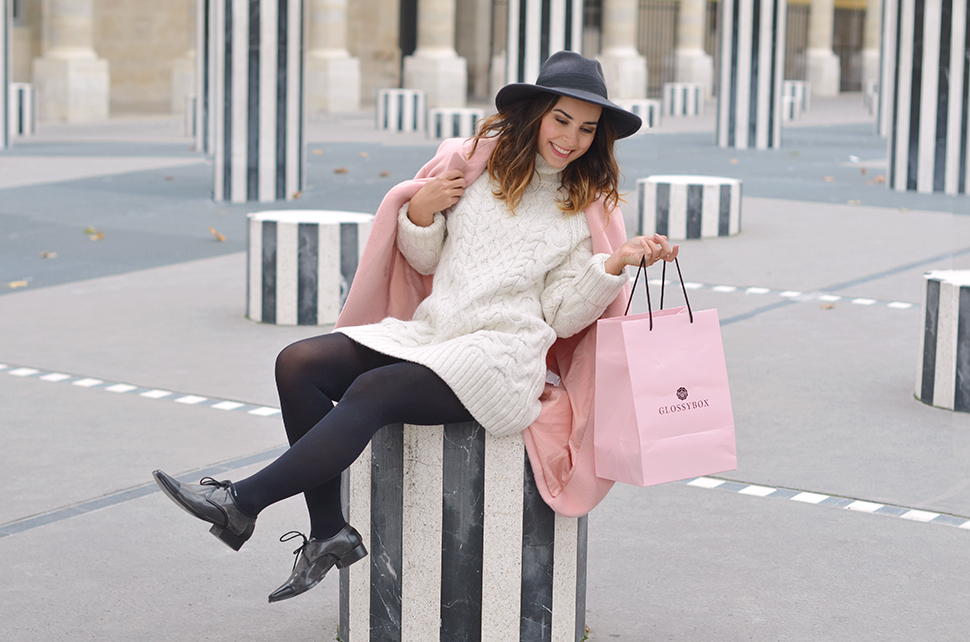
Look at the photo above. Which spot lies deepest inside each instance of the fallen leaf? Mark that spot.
(17, 284)
(340, 170)
(317, 152)
(364, 155)
(855, 202)
(219, 237)
(170, 178)
(905, 210)
(734, 161)
(863, 170)
(829, 179)
(297, 194)
(828, 306)
(97, 236)
(385, 174)
(879, 178)
(90, 230)
(48, 255)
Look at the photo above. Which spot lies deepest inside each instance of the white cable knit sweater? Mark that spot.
(505, 286)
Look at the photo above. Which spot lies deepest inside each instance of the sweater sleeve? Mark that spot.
(421, 246)
(578, 290)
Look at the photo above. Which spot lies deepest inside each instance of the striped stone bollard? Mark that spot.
(401, 110)
(6, 46)
(301, 264)
(257, 113)
(462, 546)
(943, 376)
(190, 118)
(683, 99)
(870, 98)
(752, 55)
(21, 109)
(929, 137)
(453, 122)
(801, 91)
(790, 108)
(688, 207)
(646, 108)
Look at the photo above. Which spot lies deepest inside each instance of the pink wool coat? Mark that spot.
(560, 442)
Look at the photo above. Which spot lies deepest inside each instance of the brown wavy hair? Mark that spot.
(512, 163)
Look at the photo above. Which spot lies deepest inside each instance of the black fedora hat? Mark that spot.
(566, 73)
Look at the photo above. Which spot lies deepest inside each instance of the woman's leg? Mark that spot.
(402, 392)
(311, 375)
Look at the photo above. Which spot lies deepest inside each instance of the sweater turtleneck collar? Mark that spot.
(544, 169)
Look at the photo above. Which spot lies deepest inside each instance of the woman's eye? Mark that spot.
(561, 121)
(587, 130)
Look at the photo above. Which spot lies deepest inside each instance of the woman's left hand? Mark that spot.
(652, 248)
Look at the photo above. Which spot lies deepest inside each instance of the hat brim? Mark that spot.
(624, 122)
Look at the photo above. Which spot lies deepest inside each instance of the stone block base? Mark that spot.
(443, 79)
(301, 264)
(71, 90)
(688, 207)
(333, 84)
(625, 74)
(824, 71)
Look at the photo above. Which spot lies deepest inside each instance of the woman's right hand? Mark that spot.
(438, 194)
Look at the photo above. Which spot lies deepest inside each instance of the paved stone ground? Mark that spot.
(843, 521)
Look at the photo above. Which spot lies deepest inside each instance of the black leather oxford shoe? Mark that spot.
(316, 557)
(211, 501)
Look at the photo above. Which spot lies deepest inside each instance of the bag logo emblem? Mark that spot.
(681, 393)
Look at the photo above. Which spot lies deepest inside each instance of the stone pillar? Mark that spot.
(749, 103)
(6, 36)
(72, 82)
(624, 68)
(538, 29)
(872, 38)
(257, 114)
(890, 9)
(929, 138)
(184, 67)
(435, 67)
(333, 75)
(693, 64)
(824, 68)
(204, 74)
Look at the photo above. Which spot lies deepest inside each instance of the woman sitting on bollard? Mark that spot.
(502, 223)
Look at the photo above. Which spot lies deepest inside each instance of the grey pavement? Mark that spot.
(781, 549)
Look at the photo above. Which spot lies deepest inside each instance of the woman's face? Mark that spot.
(567, 131)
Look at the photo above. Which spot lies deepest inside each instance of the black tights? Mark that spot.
(374, 390)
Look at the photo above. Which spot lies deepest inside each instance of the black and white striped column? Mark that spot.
(752, 62)
(943, 376)
(257, 114)
(20, 109)
(688, 207)
(454, 122)
(887, 68)
(204, 131)
(462, 546)
(929, 137)
(536, 30)
(6, 48)
(402, 110)
(648, 109)
(301, 264)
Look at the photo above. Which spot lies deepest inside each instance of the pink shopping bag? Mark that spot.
(662, 406)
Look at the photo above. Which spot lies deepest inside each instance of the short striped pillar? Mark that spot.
(943, 375)
(929, 136)
(791, 108)
(462, 546)
(301, 264)
(683, 99)
(257, 114)
(21, 111)
(870, 97)
(190, 117)
(6, 48)
(401, 110)
(536, 30)
(887, 68)
(800, 90)
(752, 63)
(453, 122)
(647, 109)
(688, 207)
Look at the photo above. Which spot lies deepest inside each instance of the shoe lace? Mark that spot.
(285, 537)
(209, 481)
